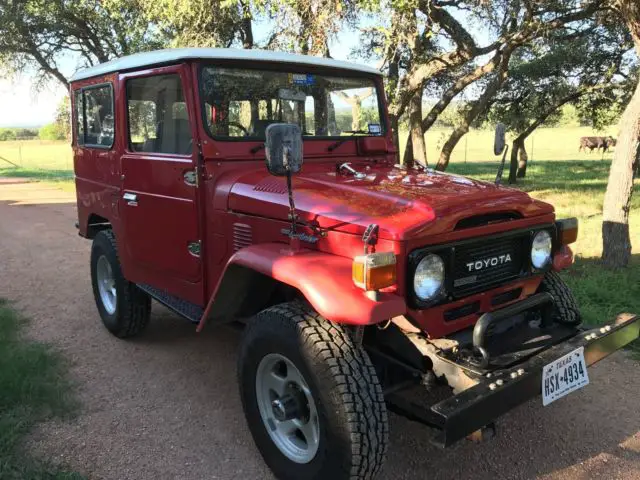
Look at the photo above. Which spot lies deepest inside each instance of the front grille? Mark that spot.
(483, 264)
(465, 276)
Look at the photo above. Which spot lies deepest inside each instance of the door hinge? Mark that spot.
(194, 248)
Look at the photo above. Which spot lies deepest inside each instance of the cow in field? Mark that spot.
(596, 143)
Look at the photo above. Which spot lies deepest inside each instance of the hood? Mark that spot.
(403, 204)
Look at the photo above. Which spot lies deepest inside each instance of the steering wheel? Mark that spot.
(240, 127)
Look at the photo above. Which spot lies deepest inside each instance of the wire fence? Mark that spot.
(34, 154)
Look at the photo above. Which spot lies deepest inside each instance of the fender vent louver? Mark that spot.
(242, 236)
(271, 185)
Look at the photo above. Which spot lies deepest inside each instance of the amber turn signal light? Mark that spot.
(567, 230)
(374, 271)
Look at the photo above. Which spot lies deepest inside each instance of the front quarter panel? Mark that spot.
(323, 279)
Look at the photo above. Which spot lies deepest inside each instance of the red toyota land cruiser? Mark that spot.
(360, 282)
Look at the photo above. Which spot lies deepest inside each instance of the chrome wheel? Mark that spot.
(106, 285)
(287, 408)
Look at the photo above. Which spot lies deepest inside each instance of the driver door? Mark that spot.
(159, 201)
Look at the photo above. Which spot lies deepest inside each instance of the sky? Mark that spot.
(25, 106)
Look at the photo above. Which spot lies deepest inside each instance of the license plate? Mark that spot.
(563, 376)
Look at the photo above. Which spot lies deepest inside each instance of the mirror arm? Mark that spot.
(292, 205)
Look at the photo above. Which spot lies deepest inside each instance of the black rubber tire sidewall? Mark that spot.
(270, 334)
(102, 247)
(133, 306)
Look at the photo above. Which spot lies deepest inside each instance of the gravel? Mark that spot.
(166, 405)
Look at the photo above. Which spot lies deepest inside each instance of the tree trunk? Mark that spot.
(407, 158)
(523, 161)
(481, 104)
(459, 85)
(356, 107)
(616, 242)
(513, 164)
(393, 123)
(418, 147)
(450, 144)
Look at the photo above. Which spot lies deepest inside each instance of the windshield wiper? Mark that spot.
(332, 147)
(257, 148)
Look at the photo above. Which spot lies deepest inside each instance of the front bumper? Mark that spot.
(502, 390)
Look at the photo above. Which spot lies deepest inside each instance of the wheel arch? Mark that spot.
(262, 275)
(95, 223)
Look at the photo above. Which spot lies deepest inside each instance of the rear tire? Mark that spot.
(565, 307)
(124, 308)
(339, 388)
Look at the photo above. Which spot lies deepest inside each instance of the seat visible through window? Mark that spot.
(158, 119)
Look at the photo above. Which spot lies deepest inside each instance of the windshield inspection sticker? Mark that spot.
(301, 79)
(375, 129)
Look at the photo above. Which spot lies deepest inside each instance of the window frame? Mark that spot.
(77, 93)
(82, 91)
(291, 68)
(162, 72)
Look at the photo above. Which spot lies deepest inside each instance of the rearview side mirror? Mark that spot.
(283, 149)
(499, 142)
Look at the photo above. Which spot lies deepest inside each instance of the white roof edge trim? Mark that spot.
(161, 57)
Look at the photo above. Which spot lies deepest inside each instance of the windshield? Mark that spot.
(240, 103)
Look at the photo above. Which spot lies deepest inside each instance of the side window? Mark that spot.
(99, 121)
(79, 103)
(158, 120)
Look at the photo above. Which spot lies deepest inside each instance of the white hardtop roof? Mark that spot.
(163, 57)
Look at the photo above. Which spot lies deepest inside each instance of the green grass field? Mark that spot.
(544, 144)
(573, 182)
(33, 388)
(47, 161)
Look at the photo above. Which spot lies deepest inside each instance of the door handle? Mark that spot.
(130, 198)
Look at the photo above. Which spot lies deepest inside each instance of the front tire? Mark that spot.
(565, 306)
(124, 308)
(311, 397)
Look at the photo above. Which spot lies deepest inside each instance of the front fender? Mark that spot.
(323, 279)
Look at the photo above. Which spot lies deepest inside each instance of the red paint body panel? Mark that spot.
(326, 282)
(432, 320)
(238, 213)
(404, 205)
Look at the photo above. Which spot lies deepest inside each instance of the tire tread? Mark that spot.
(566, 308)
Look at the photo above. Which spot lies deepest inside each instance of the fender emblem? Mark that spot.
(301, 236)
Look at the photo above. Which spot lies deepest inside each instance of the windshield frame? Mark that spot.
(293, 68)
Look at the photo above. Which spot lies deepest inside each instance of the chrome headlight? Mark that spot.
(429, 277)
(541, 249)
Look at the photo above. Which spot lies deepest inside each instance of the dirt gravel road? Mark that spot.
(166, 406)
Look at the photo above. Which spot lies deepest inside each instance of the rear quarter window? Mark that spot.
(95, 120)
